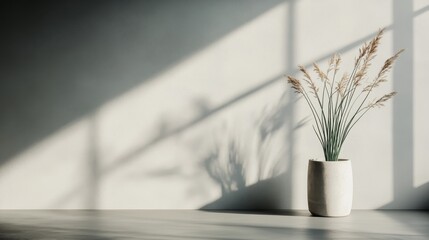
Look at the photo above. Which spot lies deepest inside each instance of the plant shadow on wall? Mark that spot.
(251, 178)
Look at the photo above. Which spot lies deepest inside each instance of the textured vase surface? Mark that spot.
(330, 188)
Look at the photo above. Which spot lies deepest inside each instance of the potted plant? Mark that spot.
(337, 104)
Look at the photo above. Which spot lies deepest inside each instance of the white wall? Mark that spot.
(155, 105)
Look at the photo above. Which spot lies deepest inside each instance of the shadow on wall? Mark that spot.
(263, 195)
(231, 169)
(62, 60)
(403, 113)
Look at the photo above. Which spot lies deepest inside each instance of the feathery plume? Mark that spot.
(319, 72)
(304, 71)
(380, 102)
(295, 84)
(368, 55)
(337, 63)
(381, 76)
(341, 86)
(331, 64)
(309, 81)
(362, 52)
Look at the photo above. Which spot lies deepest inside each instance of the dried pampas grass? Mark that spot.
(340, 105)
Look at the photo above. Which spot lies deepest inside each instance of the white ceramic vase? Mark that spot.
(330, 188)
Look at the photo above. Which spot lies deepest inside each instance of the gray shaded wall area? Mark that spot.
(62, 59)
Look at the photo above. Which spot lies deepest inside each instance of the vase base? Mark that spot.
(329, 215)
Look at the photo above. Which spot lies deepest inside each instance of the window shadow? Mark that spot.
(65, 59)
(130, 156)
(62, 60)
(404, 193)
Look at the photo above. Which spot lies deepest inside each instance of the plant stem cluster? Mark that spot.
(342, 102)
